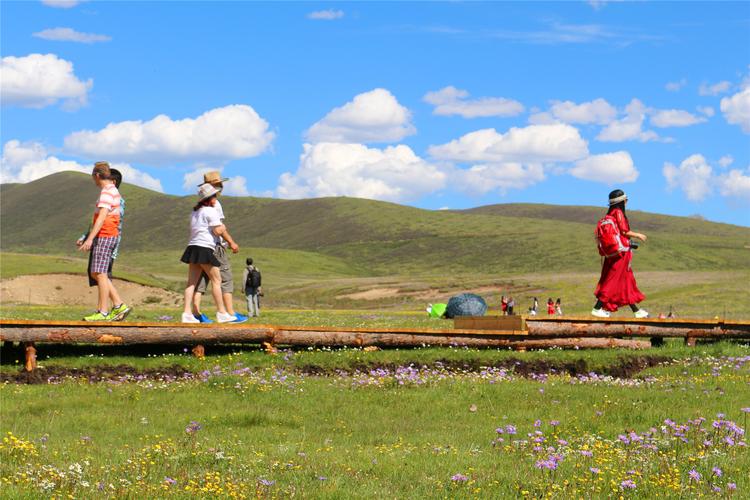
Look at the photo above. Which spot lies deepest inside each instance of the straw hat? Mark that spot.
(206, 191)
(213, 177)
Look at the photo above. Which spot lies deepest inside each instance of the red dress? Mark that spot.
(550, 308)
(617, 286)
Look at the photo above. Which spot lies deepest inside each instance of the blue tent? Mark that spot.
(466, 304)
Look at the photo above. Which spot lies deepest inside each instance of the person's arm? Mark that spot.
(639, 236)
(221, 230)
(98, 223)
(244, 280)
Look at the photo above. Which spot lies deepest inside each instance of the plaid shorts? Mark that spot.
(101, 253)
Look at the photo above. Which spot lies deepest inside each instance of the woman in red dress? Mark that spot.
(550, 306)
(617, 286)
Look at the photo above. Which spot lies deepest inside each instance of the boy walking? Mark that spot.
(252, 283)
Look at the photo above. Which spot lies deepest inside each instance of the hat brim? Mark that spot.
(211, 182)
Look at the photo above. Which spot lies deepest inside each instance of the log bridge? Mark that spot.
(515, 332)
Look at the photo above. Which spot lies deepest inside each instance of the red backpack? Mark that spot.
(608, 237)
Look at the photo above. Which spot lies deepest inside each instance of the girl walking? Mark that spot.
(205, 223)
(617, 286)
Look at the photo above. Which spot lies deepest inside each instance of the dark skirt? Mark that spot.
(200, 255)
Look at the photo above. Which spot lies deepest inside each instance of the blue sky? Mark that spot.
(429, 104)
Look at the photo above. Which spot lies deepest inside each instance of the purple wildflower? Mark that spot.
(322, 478)
(169, 480)
(459, 478)
(627, 484)
(694, 475)
(717, 472)
(586, 453)
(266, 482)
(745, 410)
(732, 486)
(537, 423)
(193, 427)
(594, 470)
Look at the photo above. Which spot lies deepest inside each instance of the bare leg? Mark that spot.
(214, 275)
(228, 302)
(103, 284)
(194, 273)
(197, 302)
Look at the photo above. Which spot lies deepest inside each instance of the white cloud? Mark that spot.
(234, 186)
(531, 144)
(715, 89)
(736, 109)
(630, 127)
(452, 101)
(706, 110)
(735, 184)
(598, 111)
(694, 177)
(504, 176)
(221, 134)
(334, 169)
(675, 86)
(663, 118)
(374, 116)
(326, 15)
(61, 4)
(726, 160)
(40, 80)
(26, 162)
(70, 35)
(609, 168)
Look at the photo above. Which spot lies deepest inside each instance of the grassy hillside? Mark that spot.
(365, 237)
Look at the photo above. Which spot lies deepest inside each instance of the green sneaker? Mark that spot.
(97, 316)
(119, 313)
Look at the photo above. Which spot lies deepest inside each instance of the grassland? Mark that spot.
(349, 423)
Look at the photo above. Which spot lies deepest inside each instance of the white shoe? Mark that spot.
(189, 318)
(225, 317)
(641, 313)
(600, 313)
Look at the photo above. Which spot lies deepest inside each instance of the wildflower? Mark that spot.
(745, 410)
(193, 427)
(716, 489)
(459, 478)
(266, 482)
(627, 484)
(694, 475)
(537, 423)
(717, 472)
(594, 470)
(169, 481)
(732, 486)
(554, 423)
(586, 453)
(322, 478)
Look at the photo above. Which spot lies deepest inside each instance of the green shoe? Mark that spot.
(97, 316)
(119, 313)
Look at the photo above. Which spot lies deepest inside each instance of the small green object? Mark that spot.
(437, 310)
(97, 316)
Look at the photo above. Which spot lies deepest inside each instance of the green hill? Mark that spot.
(371, 237)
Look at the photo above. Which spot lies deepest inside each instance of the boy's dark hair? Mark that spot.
(116, 176)
(249, 261)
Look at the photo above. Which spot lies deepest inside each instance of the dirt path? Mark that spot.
(73, 289)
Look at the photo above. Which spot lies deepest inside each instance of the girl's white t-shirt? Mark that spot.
(201, 222)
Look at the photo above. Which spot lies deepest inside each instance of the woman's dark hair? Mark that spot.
(620, 205)
(204, 203)
(249, 261)
(116, 176)
(558, 301)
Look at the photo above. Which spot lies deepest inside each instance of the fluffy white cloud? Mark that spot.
(675, 86)
(220, 134)
(334, 169)
(532, 144)
(715, 89)
(26, 162)
(694, 177)
(663, 118)
(40, 80)
(630, 127)
(736, 109)
(706, 110)
(505, 176)
(374, 116)
(598, 111)
(70, 35)
(609, 168)
(326, 15)
(726, 160)
(735, 184)
(233, 186)
(452, 101)
(61, 4)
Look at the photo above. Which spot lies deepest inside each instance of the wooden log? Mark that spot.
(632, 329)
(30, 362)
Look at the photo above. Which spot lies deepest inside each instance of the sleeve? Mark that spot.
(244, 279)
(622, 222)
(212, 217)
(106, 200)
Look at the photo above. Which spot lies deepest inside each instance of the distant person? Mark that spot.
(550, 307)
(101, 241)
(617, 286)
(558, 307)
(511, 305)
(205, 223)
(227, 280)
(251, 278)
(503, 305)
(535, 306)
(671, 314)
